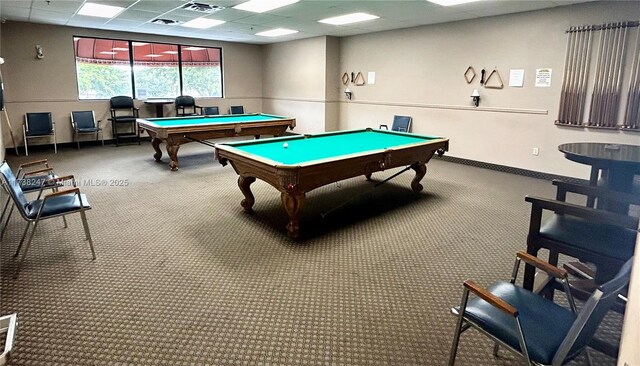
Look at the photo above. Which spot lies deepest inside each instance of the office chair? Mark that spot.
(38, 125)
(84, 122)
(537, 329)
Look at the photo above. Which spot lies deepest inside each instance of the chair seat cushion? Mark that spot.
(544, 323)
(88, 129)
(38, 133)
(32, 183)
(56, 205)
(609, 240)
(124, 119)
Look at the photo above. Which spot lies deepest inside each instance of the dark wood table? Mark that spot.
(619, 164)
(159, 104)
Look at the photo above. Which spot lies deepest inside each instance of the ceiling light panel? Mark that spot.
(260, 6)
(277, 32)
(203, 23)
(99, 10)
(349, 18)
(451, 2)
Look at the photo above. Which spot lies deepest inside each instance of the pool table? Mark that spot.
(175, 131)
(295, 165)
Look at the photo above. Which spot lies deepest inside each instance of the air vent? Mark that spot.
(202, 8)
(165, 21)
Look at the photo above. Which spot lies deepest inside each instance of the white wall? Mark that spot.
(419, 72)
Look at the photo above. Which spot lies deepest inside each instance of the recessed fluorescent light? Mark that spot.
(202, 23)
(349, 18)
(171, 52)
(108, 53)
(120, 49)
(192, 48)
(152, 55)
(451, 2)
(98, 10)
(277, 32)
(260, 6)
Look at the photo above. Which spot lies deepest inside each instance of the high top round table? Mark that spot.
(619, 163)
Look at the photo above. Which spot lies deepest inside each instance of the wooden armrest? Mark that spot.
(539, 263)
(592, 214)
(60, 179)
(31, 163)
(37, 171)
(601, 192)
(491, 298)
(75, 190)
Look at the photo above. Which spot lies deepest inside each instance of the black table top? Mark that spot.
(602, 154)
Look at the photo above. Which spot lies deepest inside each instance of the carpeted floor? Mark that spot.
(185, 277)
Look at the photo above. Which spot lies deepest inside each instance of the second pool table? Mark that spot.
(175, 131)
(295, 165)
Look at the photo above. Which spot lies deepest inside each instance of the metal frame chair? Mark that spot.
(30, 181)
(119, 105)
(236, 109)
(186, 101)
(400, 124)
(84, 122)
(52, 205)
(8, 326)
(36, 125)
(211, 111)
(537, 329)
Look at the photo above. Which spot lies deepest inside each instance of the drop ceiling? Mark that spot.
(241, 26)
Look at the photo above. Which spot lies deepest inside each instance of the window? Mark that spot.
(106, 68)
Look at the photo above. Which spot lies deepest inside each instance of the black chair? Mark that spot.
(38, 125)
(400, 124)
(52, 205)
(236, 109)
(211, 111)
(606, 239)
(539, 330)
(124, 115)
(84, 122)
(30, 180)
(186, 106)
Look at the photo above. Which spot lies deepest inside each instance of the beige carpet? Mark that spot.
(185, 277)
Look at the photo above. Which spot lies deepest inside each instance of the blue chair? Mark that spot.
(539, 330)
(38, 125)
(31, 181)
(211, 111)
(84, 122)
(186, 106)
(236, 109)
(52, 205)
(400, 124)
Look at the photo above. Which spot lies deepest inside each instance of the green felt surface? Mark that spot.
(323, 146)
(188, 121)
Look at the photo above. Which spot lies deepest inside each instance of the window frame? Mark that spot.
(132, 62)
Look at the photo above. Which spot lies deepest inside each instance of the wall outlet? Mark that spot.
(535, 151)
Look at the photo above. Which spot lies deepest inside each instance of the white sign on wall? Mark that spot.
(543, 78)
(516, 77)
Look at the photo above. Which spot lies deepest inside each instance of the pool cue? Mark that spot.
(325, 214)
(200, 141)
(6, 116)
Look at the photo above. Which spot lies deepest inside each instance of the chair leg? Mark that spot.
(4, 227)
(87, 233)
(55, 146)
(26, 249)
(64, 219)
(458, 331)
(496, 347)
(4, 211)
(24, 235)
(78, 140)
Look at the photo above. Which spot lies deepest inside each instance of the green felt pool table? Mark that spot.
(175, 131)
(295, 165)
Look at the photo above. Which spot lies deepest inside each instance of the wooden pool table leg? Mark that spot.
(421, 170)
(172, 151)
(244, 183)
(293, 205)
(155, 142)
